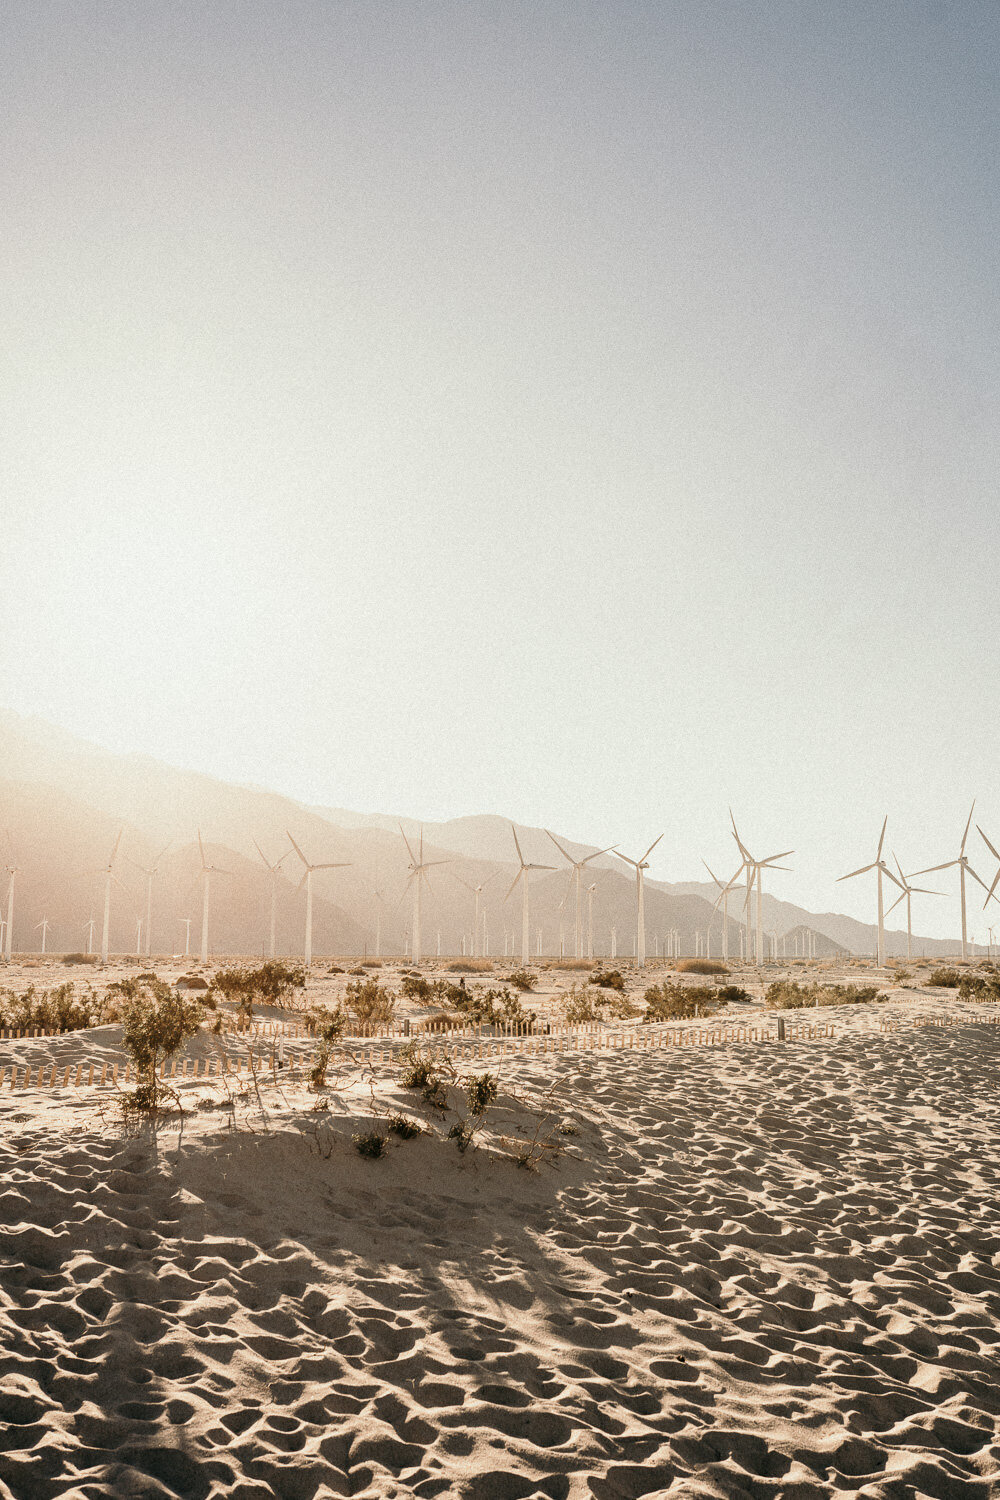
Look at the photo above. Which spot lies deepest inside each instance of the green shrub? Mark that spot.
(945, 979)
(787, 994)
(731, 994)
(369, 1143)
(59, 1010)
(370, 1003)
(405, 1128)
(462, 1133)
(982, 987)
(582, 1005)
(417, 1072)
(156, 1022)
(493, 1007)
(607, 979)
(416, 987)
(521, 980)
(480, 1092)
(672, 1001)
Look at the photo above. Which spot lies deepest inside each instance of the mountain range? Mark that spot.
(63, 803)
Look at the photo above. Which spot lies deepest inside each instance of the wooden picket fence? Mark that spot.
(899, 1023)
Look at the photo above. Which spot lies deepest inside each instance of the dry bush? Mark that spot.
(81, 958)
(608, 979)
(370, 1003)
(944, 979)
(701, 966)
(156, 1022)
(471, 966)
(671, 1001)
(584, 1004)
(521, 980)
(571, 963)
(786, 994)
(59, 1010)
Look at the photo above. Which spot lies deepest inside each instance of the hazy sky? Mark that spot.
(582, 412)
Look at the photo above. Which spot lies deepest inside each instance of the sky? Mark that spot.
(580, 412)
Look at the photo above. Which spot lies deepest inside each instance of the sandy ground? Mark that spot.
(751, 1271)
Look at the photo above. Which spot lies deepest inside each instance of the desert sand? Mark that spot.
(753, 1270)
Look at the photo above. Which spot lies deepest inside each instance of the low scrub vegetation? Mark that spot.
(571, 963)
(700, 966)
(496, 1006)
(944, 979)
(521, 980)
(731, 994)
(981, 987)
(371, 1004)
(58, 1010)
(586, 1003)
(672, 1001)
(607, 979)
(788, 994)
(271, 984)
(156, 1022)
(471, 966)
(81, 958)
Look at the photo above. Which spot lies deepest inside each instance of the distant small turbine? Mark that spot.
(477, 892)
(908, 892)
(522, 876)
(879, 864)
(273, 871)
(149, 892)
(418, 868)
(12, 871)
(590, 919)
(88, 928)
(307, 882)
(640, 866)
(207, 871)
(575, 883)
(44, 924)
(963, 868)
(109, 875)
(186, 924)
(755, 869)
(723, 900)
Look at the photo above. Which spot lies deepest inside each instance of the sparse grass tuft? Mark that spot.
(673, 1001)
(701, 966)
(370, 1143)
(404, 1127)
(786, 994)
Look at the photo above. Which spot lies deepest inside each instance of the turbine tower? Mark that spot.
(964, 868)
(44, 924)
(307, 882)
(640, 866)
(207, 871)
(522, 876)
(418, 868)
(723, 900)
(12, 870)
(477, 891)
(879, 864)
(755, 869)
(575, 880)
(149, 893)
(109, 875)
(909, 891)
(590, 919)
(88, 928)
(273, 870)
(186, 923)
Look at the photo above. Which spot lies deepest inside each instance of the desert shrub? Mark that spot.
(462, 1133)
(571, 963)
(945, 979)
(370, 1003)
(480, 1092)
(404, 1127)
(900, 975)
(979, 987)
(492, 1007)
(81, 958)
(672, 1001)
(585, 1004)
(731, 994)
(700, 966)
(270, 984)
(127, 989)
(471, 966)
(418, 1071)
(521, 980)
(156, 1022)
(416, 987)
(787, 994)
(370, 1143)
(442, 1021)
(59, 1010)
(607, 979)
(360, 971)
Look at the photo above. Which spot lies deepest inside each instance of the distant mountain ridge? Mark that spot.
(64, 800)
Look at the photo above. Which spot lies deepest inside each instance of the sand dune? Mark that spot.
(765, 1271)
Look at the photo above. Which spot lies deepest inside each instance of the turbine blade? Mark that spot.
(899, 867)
(517, 846)
(976, 877)
(931, 868)
(201, 849)
(297, 849)
(305, 877)
(407, 843)
(341, 865)
(514, 883)
(881, 838)
(261, 853)
(714, 876)
(596, 855)
(992, 889)
(987, 843)
(863, 871)
(896, 903)
(559, 846)
(772, 857)
(650, 849)
(626, 858)
(968, 825)
(162, 852)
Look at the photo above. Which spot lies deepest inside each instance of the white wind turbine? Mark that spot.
(908, 891)
(723, 900)
(522, 876)
(418, 868)
(12, 870)
(477, 891)
(879, 864)
(186, 924)
(590, 918)
(207, 871)
(44, 924)
(964, 868)
(307, 882)
(996, 878)
(575, 881)
(149, 893)
(640, 866)
(109, 875)
(755, 869)
(88, 928)
(273, 870)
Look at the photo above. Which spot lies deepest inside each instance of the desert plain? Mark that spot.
(761, 1268)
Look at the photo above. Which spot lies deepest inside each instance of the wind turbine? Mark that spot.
(755, 869)
(109, 875)
(640, 866)
(908, 891)
(274, 886)
(723, 900)
(996, 878)
(879, 864)
(963, 868)
(12, 870)
(149, 892)
(186, 923)
(575, 879)
(477, 891)
(207, 871)
(522, 876)
(44, 924)
(88, 928)
(418, 868)
(307, 882)
(590, 919)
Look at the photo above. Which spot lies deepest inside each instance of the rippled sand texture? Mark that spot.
(767, 1272)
